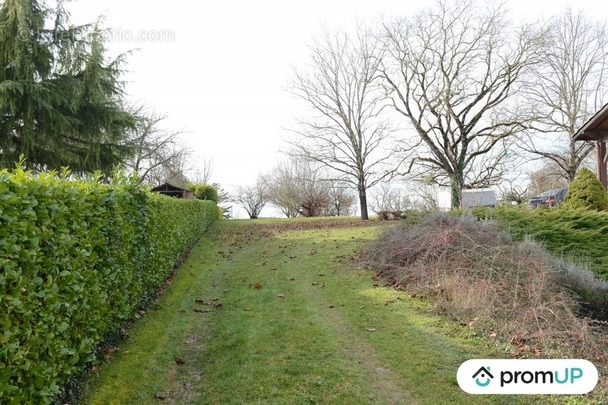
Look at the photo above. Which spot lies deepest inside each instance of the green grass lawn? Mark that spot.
(279, 312)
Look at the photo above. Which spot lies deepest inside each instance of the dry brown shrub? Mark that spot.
(476, 274)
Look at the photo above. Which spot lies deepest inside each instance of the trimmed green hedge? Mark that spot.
(77, 260)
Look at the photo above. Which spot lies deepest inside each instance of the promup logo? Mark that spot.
(501, 376)
(483, 377)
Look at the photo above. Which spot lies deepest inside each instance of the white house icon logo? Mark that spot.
(483, 377)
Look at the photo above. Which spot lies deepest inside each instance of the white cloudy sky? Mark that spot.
(222, 73)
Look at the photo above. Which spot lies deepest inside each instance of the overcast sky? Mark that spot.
(219, 71)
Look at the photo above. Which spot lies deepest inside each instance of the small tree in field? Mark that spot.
(586, 193)
(342, 200)
(252, 199)
(308, 189)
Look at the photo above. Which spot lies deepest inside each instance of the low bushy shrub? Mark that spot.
(475, 273)
(77, 260)
(205, 192)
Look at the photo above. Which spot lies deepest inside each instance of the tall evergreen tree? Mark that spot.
(60, 101)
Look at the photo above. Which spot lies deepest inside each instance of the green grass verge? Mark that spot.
(263, 316)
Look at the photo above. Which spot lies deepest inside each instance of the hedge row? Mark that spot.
(77, 259)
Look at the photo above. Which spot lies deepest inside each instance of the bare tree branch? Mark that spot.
(158, 154)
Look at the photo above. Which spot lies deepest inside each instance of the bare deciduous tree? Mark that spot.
(341, 199)
(452, 72)
(304, 188)
(386, 197)
(511, 192)
(158, 154)
(251, 198)
(284, 186)
(346, 132)
(204, 171)
(313, 190)
(423, 196)
(547, 177)
(567, 88)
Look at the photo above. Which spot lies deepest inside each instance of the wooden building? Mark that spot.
(596, 130)
(173, 191)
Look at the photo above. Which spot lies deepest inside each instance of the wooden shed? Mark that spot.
(596, 130)
(173, 191)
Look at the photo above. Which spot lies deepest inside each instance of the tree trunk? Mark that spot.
(456, 184)
(363, 203)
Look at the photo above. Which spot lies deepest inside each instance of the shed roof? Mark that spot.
(596, 128)
(169, 187)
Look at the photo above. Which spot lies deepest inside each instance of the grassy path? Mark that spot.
(265, 314)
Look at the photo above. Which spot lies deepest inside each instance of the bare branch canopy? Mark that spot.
(346, 131)
(453, 73)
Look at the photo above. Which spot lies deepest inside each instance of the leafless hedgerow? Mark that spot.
(475, 273)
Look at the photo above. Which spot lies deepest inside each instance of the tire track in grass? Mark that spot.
(272, 345)
(388, 387)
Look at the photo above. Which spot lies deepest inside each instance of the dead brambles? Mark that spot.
(391, 215)
(476, 274)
